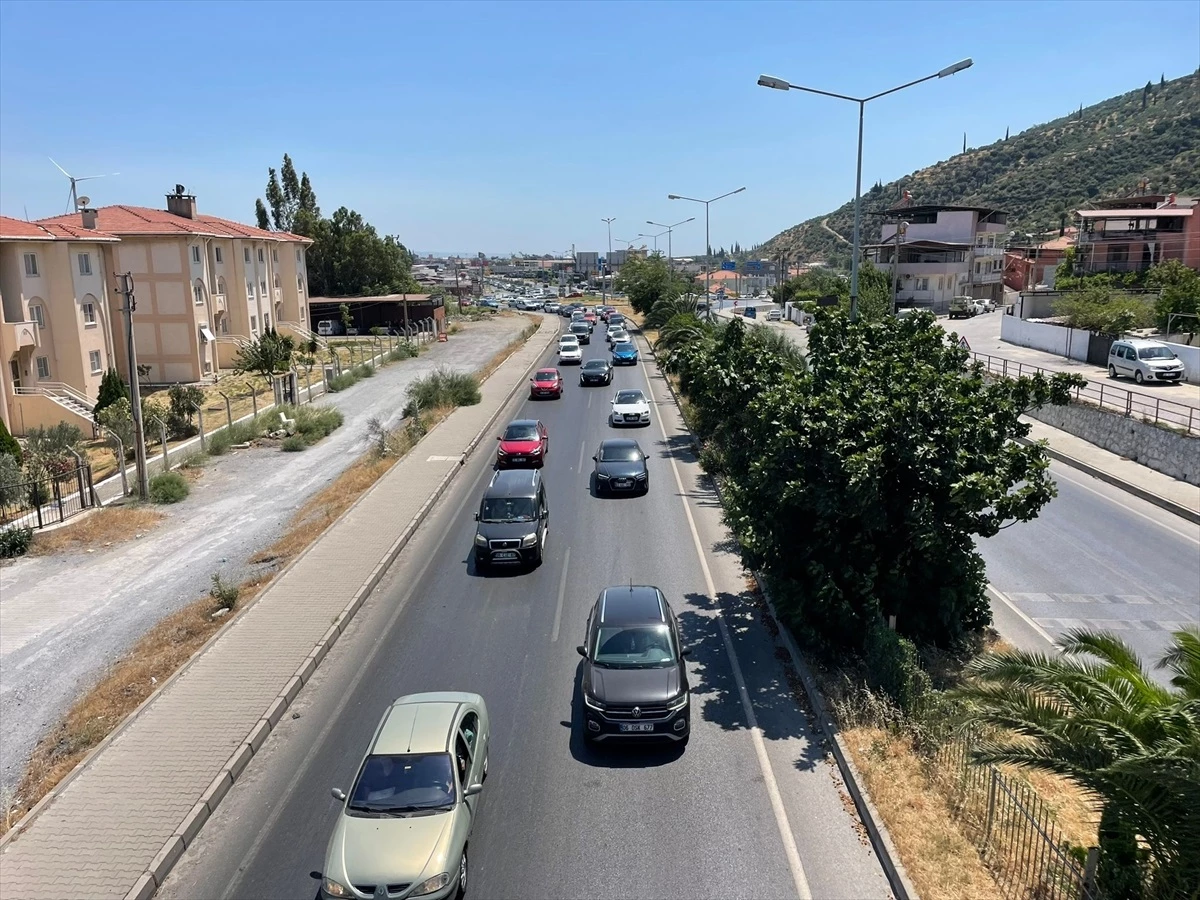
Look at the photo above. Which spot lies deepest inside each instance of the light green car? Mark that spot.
(403, 829)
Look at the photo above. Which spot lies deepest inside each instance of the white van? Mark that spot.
(1144, 360)
(327, 327)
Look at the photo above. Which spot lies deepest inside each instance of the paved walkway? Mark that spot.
(117, 826)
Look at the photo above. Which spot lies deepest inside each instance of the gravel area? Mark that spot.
(58, 633)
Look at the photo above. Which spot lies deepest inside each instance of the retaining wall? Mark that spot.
(1056, 339)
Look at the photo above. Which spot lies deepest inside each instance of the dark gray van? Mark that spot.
(513, 520)
(583, 331)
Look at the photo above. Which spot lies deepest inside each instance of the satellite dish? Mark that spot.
(83, 201)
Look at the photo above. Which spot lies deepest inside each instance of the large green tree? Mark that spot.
(1093, 715)
(864, 481)
(648, 280)
(874, 290)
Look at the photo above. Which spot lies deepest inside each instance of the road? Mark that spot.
(742, 812)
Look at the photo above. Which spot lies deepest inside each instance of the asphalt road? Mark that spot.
(751, 808)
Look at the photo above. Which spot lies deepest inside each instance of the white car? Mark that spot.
(774, 316)
(570, 352)
(629, 407)
(611, 330)
(620, 336)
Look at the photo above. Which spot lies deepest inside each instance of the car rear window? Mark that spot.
(620, 453)
(546, 375)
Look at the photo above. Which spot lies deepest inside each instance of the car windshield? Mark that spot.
(404, 783)
(620, 333)
(595, 365)
(626, 397)
(1155, 353)
(546, 375)
(634, 646)
(521, 432)
(619, 452)
(507, 509)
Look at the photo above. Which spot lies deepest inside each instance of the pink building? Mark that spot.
(1134, 233)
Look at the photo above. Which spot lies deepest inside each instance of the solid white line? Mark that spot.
(562, 592)
(1059, 473)
(756, 738)
(589, 403)
(1042, 632)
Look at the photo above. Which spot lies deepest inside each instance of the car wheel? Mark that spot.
(1137, 376)
(1112, 372)
(462, 875)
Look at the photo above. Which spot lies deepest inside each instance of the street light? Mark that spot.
(653, 237)
(780, 84)
(670, 228)
(607, 260)
(707, 240)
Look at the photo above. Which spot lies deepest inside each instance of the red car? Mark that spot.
(524, 443)
(545, 383)
(590, 317)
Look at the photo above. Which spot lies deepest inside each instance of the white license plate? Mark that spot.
(505, 554)
(518, 459)
(621, 483)
(639, 727)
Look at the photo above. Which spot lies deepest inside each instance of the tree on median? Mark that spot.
(647, 281)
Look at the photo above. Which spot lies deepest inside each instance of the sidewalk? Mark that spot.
(120, 822)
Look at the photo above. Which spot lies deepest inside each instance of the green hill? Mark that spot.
(1040, 174)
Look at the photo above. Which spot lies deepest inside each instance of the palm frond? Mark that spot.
(1183, 658)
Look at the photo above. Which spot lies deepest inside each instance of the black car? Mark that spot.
(596, 371)
(621, 467)
(513, 520)
(581, 330)
(634, 681)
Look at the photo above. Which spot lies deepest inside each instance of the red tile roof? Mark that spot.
(77, 232)
(17, 230)
(139, 220)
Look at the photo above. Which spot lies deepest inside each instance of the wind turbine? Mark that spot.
(73, 198)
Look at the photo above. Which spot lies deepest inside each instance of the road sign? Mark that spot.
(962, 342)
(755, 265)
(729, 265)
(830, 300)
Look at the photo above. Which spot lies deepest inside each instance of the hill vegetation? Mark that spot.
(1040, 175)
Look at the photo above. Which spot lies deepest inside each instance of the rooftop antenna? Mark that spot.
(73, 197)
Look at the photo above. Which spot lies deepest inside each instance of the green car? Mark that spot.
(403, 829)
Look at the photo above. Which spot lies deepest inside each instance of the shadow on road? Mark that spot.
(613, 754)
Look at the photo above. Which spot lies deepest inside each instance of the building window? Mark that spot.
(196, 254)
(300, 283)
(217, 253)
(250, 289)
(274, 255)
(43, 368)
(224, 324)
(1119, 254)
(85, 264)
(298, 257)
(254, 324)
(277, 282)
(198, 293)
(94, 359)
(922, 284)
(31, 268)
(266, 321)
(38, 316)
(260, 255)
(263, 285)
(246, 254)
(89, 314)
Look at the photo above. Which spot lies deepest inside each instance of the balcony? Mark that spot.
(278, 295)
(18, 335)
(988, 251)
(219, 303)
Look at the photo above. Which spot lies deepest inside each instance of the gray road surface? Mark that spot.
(64, 619)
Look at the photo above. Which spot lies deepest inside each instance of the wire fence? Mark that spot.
(38, 502)
(1155, 410)
(1013, 830)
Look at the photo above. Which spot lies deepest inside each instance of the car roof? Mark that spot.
(1140, 342)
(632, 604)
(599, 363)
(549, 370)
(419, 723)
(631, 391)
(618, 442)
(513, 483)
(530, 422)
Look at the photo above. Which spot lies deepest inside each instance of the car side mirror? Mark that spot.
(595, 458)
(472, 790)
(686, 651)
(499, 438)
(582, 651)
(476, 517)
(339, 794)
(645, 456)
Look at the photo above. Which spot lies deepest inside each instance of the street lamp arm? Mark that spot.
(901, 87)
(797, 87)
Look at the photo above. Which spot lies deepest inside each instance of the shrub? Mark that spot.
(183, 402)
(8, 444)
(112, 389)
(224, 596)
(349, 378)
(50, 448)
(11, 479)
(364, 370)
(168, 487)
(894, 667)
(443, 387)
(293, 444)
(15, 541)
(316, 422)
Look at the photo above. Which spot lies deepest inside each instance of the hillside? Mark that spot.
(1036, 176)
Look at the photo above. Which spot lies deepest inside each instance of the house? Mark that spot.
(1134, 233)
(1025, 267)
(945, 252)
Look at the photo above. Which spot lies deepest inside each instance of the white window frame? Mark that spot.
(89, 314)
(198, 294)
(246, 254)
(31, 266)
(263, 286)
(217, 254)
(85, 263)
(38, 314)
(266, 321)
(274, 254)
(297, 256)
(254, 324)
(96, 362)
(42, 364)
(261, 257)
(196, 254)
(250, 289)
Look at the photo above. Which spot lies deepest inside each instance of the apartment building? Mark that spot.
(944, 252)
(1134, 233)
(56, 322)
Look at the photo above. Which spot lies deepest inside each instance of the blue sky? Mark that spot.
(516, 126)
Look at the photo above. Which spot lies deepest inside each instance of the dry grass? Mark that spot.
(941, 862)
(99, 528)
(511, 347)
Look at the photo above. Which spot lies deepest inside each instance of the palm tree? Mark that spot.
(681, 330)
(1131, 743)
(668, 308)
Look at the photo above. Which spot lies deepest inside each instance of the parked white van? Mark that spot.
(1144, 360)
(327, 327)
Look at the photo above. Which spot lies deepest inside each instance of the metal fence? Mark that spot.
(1013, 830)
(1156, 410)
(38, 502)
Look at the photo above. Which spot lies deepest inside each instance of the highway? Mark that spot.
(752, 808)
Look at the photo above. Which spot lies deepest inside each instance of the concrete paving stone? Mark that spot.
(143, 889)
(165, 859)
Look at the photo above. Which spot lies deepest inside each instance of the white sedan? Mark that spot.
(570, 352)
(629, 407)
(620, 336)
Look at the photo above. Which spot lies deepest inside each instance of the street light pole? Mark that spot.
(654, 237)
(707, 242)
(607, 260)
(670, 230)
(781, 84)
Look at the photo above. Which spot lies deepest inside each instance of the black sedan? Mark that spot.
(634, 681)
(596, 371)
(621, 467)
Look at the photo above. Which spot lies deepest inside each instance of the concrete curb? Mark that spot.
(1170, 506)
(150, 880)
(881, 840)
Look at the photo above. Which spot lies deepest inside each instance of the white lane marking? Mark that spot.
(760, 749)
(579, 465)
(1058, 473)
(562, 592)
(589, 403)
(1041, 632)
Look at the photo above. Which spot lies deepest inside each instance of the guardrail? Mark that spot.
(1155, 410)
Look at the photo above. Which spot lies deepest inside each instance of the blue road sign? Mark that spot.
(729, 266)
(754, 265)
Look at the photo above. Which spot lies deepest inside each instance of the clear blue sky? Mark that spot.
(517, 126)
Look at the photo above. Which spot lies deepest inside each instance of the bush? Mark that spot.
(169, 487)
(443, 387)
(364, 370)
(182, 410)
(14, 542)
(112, 389)
(894, 667)
(50, 448)
(316, 422)
(224, 596)
(11, 479)
(347, 379)
(293, 444)
(8, 444)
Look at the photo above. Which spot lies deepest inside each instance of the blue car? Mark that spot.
(624, 354)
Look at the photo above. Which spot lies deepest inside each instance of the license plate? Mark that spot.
(504, 554)
(621, 483)
(518, 459)
(640, 727)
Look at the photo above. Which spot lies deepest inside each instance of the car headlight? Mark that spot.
(640, 476)
(530, 540)
(678, 703)
(500, 451)
(429, 885)
(591, 701)
(334, 889)
(602, 476)
(535, 451)
(480, 541)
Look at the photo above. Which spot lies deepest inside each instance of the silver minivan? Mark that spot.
(1144, 360)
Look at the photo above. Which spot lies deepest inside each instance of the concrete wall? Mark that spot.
(1056, 339)
(37, 410)
(1190, 357)
(1157, 448)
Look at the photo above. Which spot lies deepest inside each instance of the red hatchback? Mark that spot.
(545, 383)
(525, 442)
(590, 317)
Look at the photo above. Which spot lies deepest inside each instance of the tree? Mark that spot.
(345, 315)
(52, 450)
(184, 399)
(646, 281)
(1179, 292)
(1106, 725)
(112, 389)
(863, 481)
(1098, 309)
(260, 216)
(266, 355)
(8, 444)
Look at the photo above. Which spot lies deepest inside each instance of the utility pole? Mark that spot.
(607, 261)
(901, 227)
(125, 289)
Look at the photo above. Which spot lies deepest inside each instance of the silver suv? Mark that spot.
(1144, 360)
